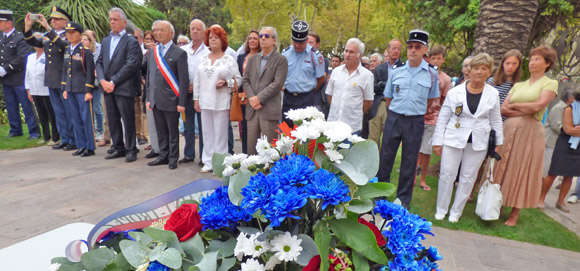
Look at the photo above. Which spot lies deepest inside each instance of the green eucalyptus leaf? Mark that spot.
(373, 190)
(227, 263)
(322, 239)
(217, 163)
(194, 247)
(352, 173)
(209, 262)
(226, 180)
(121, 262)
(170, 258)
(97, 259)
(358, 237)
(360, 262)
(364, 157)
(237, 182)
(167, 237)
(135, 253)
(309, 249)
(360, 206)
(226, 249)
(141, 238)
(66, 265)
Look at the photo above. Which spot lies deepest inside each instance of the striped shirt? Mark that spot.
(503, 91)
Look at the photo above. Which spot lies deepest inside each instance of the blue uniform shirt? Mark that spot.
(410, 88)
(303, 69)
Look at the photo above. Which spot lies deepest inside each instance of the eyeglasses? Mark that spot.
(416, 46)
(266, 36)
(182, 43)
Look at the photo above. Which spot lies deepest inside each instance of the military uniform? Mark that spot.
(78, 79)
(409, 89)
(54, 50)
(13, 54)
(303, 71)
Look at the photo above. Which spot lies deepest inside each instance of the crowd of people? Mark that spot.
(138, 87)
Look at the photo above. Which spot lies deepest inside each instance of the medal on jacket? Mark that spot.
(458, 111)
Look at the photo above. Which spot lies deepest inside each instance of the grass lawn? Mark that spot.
(533, 225)
(19, 142)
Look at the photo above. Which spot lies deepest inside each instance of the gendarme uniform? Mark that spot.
(78, 79)
(54, 50)
(303, 71)
(409, 89)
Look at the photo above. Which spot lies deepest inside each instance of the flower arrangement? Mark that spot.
(308, 201)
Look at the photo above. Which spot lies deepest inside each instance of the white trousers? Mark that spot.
(215, 133)
(470, 161)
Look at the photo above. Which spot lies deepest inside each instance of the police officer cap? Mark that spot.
(73, 26)
(57, 12)
(419, 35)
(6, 15)
(300, 31)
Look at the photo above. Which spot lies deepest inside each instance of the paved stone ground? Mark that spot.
(42, 189)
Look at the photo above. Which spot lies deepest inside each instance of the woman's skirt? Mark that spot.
(519, 172)
(565, 161)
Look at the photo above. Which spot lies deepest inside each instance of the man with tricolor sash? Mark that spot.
(167, 88)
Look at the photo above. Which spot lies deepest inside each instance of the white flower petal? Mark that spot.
(54, 267)
(252, 265)
(286, 247)
(334, 155)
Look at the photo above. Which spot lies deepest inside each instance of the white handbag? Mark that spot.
(489, 200)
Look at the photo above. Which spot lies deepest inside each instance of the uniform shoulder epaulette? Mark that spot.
(434, 67)
(314, 50)
(287, 48)
(398, 66)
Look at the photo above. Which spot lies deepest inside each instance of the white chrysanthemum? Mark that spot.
(286, 247)
(258, 247)
(285, 145)
(334, 155)
(142, 267)
(229, 171)
(243, 246)
(356, 139)
(272, 262)
(337, 131)
(262, 144)
(252, 265)
(269, 156)
(304, 114)
(54, 267)
(329, 145)
(252, 160)
(230, 160)
(304, 133)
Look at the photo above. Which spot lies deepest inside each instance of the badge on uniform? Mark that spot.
(77, 56)
(354, 85)
(458, 111)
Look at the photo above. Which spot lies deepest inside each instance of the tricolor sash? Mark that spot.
(166, 72)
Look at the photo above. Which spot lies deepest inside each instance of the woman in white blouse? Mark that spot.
(38, 93)
(470, 111)
(212, 88)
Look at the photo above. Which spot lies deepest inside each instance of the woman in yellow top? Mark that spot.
(519, 172)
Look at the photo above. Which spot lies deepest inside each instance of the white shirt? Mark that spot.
(194, 58)
(115, 41)
(165, 47)
(348, 95)
(206, 77)
(34, 78)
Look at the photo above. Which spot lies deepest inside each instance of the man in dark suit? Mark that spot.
(167, 88)
(54, 50)
(263, 81)
(13, 54)
(118, 72)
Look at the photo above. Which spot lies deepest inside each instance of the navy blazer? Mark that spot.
(13, 54)
(79, 70)
(54, 50)
(123, 68)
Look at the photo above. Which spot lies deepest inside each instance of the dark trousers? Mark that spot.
(82, 120)
(122, 108)
(301, 100)
(364, 133)
(230, 138)
(63, 123)
(14, 96)
(189, 130)
(409, 130)
(46, 117)
(167, 126)
(244, 131)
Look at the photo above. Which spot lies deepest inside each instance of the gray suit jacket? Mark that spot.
(268, 86)
(159, 93)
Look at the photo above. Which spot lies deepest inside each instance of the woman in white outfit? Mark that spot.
(470, 111)
(212, 88)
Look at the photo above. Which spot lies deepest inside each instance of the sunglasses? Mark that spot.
(265, 35)
(416, 46)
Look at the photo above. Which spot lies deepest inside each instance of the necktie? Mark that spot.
(161, 48)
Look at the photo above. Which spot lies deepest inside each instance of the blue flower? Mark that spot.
(283, 203)
(157, 266)
(406, 233)
(293, 170)
(217, 211)
(326, 186)
(403, 263)
(427, 265)
(258, 191)
(389, 210)
(433, 254)
(374, 180)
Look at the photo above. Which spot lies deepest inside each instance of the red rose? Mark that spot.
(378, 235)
(314, 264)
(185, 222)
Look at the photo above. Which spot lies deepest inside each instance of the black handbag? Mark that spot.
(491, 146)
